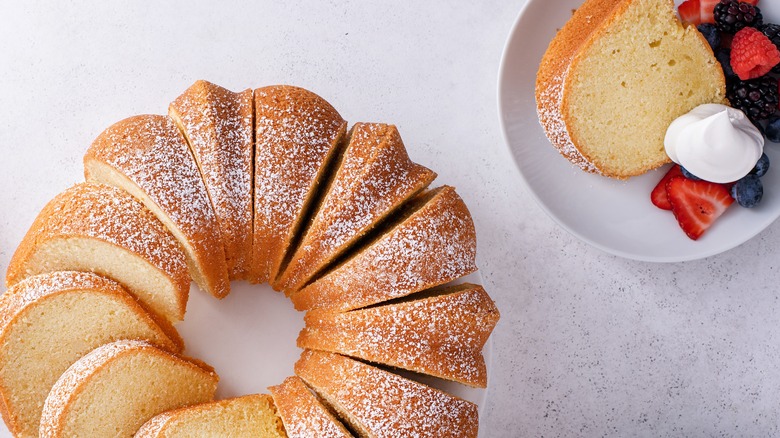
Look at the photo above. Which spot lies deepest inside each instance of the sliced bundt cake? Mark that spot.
(250, 416)
(614, 78)
(297, 134)
(148, 157)
(118, 387)
(378, 404)
(102, 229)
(441, 335)
(431, 242)
(303, 414)
(218, 125)
(373, 179)
(48, 321)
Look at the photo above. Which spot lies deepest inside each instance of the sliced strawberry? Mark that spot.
(706, 9)
(697, 204)
(658, 195)
(752, 2)
(690, 12)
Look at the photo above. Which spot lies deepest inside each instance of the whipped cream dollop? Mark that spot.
(715, 142)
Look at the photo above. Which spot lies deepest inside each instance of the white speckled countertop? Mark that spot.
(589, 344)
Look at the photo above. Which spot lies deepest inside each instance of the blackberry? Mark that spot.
(772, 31)
(733, 15)
(757, 98)
(711, 34)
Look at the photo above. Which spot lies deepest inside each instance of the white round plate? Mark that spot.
(615, 216)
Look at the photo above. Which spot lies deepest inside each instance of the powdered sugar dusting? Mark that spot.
(383, 403)
(151, 152)
(441, 335)
(375, 177)
(295, 133)
(154, 426)
(303, 414)
(549, 110)
(218, 127)
(66, 387)
(433, 246)
(34, 288)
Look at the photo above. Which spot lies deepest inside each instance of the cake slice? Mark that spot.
(378, 404)
(303, 414)
(250, 416)
(614, 78)
(102, 229)
(47, 322)
(373, 179)
(117, 387)
(431, 242)
(148, 157)
(218, 125)
(441, 335)
(297, 134)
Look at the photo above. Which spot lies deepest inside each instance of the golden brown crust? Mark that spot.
(377, 403)
(433, 245)
(152, 154)
(304, 416)
(297, 133)
(112, 216)
(442, 335)
(218, 126)
(374, 178)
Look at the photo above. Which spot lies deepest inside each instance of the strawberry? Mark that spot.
(752, 2)
(753, 54)
(706, 8)
(690, 12)
(658, 195)
(697, 204)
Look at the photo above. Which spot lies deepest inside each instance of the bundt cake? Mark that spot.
(373, 178)
(614, 78)
(218, 124)
(303, 414)
(116, 388)
(431, 242)
(250, 416)
(149, 158)
(297, 135)
(49, 321)
(377, 403)
(101, 229)
(442, 335)
(263, 185)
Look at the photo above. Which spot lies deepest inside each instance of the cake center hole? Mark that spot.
(248, 337)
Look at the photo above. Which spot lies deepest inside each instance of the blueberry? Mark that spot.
(688, 174)
(748, 191)
(761, 166)
(772, 130)
(724, 57)
(710, 33)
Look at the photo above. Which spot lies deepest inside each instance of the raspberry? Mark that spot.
(752, 54)
(772, 31)
(757, 98)
(733, 15)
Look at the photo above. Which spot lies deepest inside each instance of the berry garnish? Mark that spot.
(697, 204)
(757, 98)
(690, 12)
(724, 57)
(753, 54)
(707, 9)
(711, 34)
(658, 195)
(762, 165)
(772, 31)
(733, 15)
(688, 174)
(747, 191)
(772, 130)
